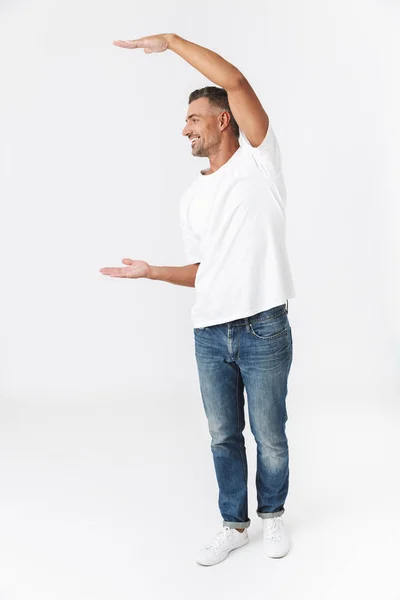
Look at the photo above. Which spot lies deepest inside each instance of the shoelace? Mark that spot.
(272, 529)
(220, 538)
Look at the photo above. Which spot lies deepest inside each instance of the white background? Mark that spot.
(108, 486)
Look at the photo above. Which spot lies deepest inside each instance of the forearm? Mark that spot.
(185, 275)
(211, 65)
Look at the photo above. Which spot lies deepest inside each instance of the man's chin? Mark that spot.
(198, 152)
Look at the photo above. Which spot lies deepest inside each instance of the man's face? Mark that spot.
(202, 127)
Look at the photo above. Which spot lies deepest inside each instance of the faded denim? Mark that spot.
(253, 354)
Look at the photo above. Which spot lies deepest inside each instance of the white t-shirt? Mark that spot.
(233, 224)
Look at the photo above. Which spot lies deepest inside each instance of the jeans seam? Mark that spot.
(283, 312)
(268, 337)
(290, 357)
(238, 421)
(262, 319)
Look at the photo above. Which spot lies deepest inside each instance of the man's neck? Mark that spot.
(221, 157)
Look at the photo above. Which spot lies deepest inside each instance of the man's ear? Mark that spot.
(223, 120)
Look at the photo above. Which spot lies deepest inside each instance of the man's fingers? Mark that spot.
(114, 272)
(129, 43)
(117, 271)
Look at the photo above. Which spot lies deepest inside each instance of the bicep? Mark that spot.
(248, 112)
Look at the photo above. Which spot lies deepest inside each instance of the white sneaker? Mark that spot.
(218, 549)
(276, 541)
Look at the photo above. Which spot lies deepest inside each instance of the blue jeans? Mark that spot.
(253, 353)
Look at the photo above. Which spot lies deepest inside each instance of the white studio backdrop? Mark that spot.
(93, 165)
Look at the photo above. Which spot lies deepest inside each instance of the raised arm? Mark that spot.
(243, 101)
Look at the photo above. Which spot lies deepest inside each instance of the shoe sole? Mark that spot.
(279, 556)
(221, 559)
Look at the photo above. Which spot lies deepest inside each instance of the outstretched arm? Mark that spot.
(137, 269)
(243, 101)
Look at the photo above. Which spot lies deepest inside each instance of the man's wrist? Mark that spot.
(171, 40)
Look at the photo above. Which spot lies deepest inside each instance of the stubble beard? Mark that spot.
(198, 149)
(203, 151)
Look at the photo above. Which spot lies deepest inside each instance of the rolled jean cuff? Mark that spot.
(265, 515)
(236, 524)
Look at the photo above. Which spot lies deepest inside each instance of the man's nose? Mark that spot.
(184, 130)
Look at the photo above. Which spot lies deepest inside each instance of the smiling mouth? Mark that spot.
(194, 140)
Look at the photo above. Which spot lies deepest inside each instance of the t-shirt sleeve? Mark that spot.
(267, 155)
(191, 248)
(191, 244)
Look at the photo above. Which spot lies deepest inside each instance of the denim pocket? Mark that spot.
(270, 328)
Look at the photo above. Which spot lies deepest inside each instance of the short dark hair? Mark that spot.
(217, 97)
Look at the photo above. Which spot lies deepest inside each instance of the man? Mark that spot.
(233, 223)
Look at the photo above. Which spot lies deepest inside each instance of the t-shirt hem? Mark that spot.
(240, 315)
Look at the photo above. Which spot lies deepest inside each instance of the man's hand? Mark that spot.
(136, 269)
(150, 44)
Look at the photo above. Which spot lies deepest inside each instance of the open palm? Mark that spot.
(150, 44)
(136, 269)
